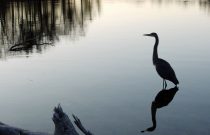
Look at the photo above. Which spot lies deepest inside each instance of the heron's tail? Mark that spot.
(176, 81)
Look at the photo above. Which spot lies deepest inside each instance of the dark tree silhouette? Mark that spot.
(30, 26)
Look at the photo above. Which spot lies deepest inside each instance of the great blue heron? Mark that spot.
(163, 98)
(163, 68)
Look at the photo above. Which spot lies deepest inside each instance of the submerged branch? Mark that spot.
(80, 126)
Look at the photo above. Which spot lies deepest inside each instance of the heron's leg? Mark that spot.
(165, 84)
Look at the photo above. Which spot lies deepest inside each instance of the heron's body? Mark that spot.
(163, 68)
(165, 71)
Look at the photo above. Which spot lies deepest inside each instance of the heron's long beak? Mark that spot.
(147, 35)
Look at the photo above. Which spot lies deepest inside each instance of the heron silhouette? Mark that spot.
(163, 68)
(163, 98)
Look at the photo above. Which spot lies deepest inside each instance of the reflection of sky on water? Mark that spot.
(29, 27)
(107, 77)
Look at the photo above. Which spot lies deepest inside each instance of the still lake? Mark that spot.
(93, 59)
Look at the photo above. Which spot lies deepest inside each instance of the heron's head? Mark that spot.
(153, 34)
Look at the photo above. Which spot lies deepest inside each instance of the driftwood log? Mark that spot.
(63, 126)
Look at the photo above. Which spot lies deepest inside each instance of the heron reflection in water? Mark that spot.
(163, 98)
(163, 68)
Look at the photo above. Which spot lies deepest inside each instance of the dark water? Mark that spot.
(91, 57)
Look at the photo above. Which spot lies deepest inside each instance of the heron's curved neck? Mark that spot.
(153, 112)
(155, 51)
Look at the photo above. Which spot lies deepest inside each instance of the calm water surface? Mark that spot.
(96, 63)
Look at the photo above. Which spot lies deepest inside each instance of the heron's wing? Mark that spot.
(165, 70)
(164, 97)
